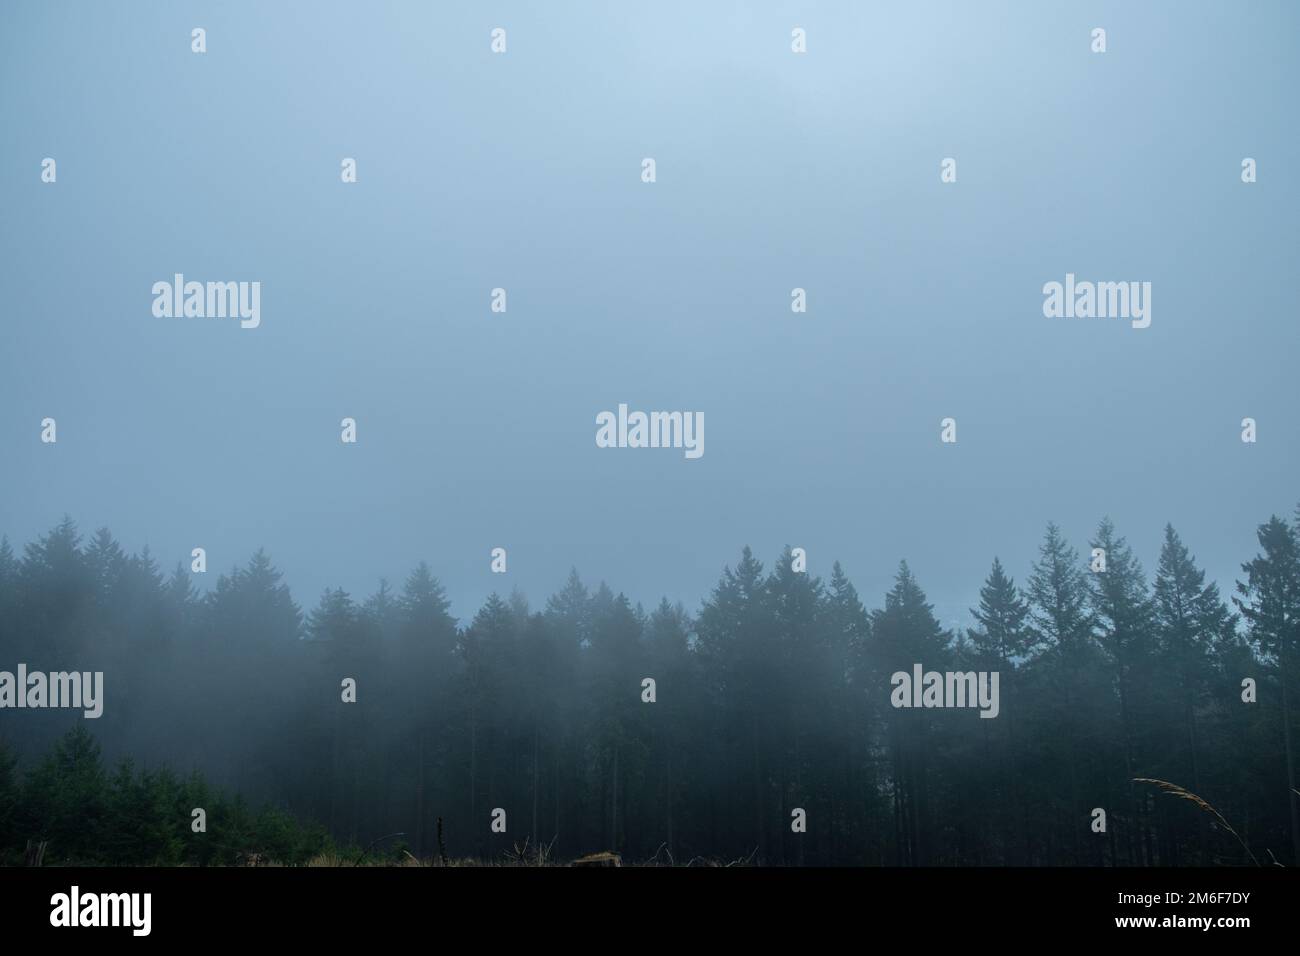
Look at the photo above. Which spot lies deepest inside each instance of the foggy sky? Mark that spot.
(522, 171)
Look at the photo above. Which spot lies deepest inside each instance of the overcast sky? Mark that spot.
(522, 170)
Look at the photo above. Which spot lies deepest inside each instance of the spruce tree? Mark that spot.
(1123, 614)
(1269, 600)
(1004, 634)
(1190, 619)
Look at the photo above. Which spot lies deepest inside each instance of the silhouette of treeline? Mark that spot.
(774, 696)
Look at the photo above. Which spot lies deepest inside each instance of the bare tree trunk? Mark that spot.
(613, 819)
(1290, 762)
(758, 791)
(419, 794)
(536, 787)
(473, 777)
(1202, 828)
(671, 847)
(334, 773)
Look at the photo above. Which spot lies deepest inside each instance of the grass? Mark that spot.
(526, 855)
(1184, 794)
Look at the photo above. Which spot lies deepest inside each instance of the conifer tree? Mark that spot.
(905, 633)
(1004, 634)
(1269, 600)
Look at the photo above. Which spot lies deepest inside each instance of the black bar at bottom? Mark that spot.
(582, 907)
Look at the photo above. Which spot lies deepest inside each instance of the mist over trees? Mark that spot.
(773, 695)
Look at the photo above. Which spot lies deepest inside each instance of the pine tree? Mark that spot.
(1064, 675)
(669, 661)
(484, 646)
(8, 565)
(56, 592)
(1004, 634)
(8, 799)
(381, 613)
(423, 665)
(1269, 600)
(847, 621)
(180, 590)
(425, 610)
(1190, 618)
(335, 619)
(613, 685)
(1058, 594)
(570, 610)
(64, 800)
(8, 593)
(905, 633)
(1122, 612)
(734, 638)
(1002, 642)
(106, 562)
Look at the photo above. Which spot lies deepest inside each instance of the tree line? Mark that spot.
(773, 696)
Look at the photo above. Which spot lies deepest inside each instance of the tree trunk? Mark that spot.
(536, 787)
(1290, 762)
(419, 794)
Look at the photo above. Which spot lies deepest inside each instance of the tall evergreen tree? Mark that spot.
(1190, 620)
(1072, 701)
(427, 640)
(1004, 634)
(1002, 642)
(1122, 612)
(1058, 594)
(1269, 600)
(905, 633)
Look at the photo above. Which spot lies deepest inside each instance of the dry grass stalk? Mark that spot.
(1183, 794)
